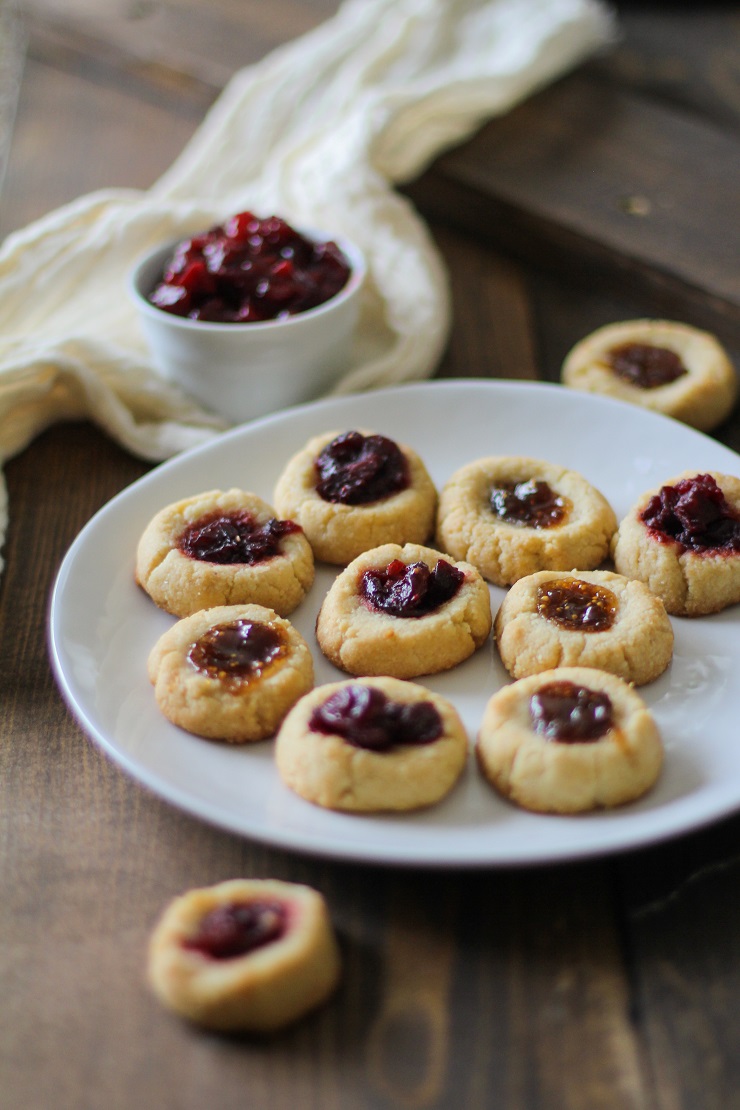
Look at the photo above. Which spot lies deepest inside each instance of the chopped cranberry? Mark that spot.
(570, 714)
(233, 930)
(532, 504)
(237, 652)
(228, 538)
(410, 590)
(644, 365)
(694, 514)
(355, 469)
(366, 718)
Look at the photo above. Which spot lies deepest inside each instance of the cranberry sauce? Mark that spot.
(577, 606)
(237, 652)
(694, 514)
(248, 270)
(532, 504)
(411, 590)
(355, 469)
(235, 929)
(228, 538)
(366, 718)
(570, 714)
(645, 366)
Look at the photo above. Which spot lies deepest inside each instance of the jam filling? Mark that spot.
(644, 365)
(237, 652)
(366, 718)
(228, 538)
(248, 270)
(532, 504)
(411, 590)
(355, 469)
(570, 714)
(576, 605)
(233, 930)
(694, 514)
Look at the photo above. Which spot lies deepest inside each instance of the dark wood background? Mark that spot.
(612, 983)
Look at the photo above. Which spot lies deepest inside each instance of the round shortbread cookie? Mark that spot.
(690, 580)
(246, 954)
(326, 768)
(576, 533)
(667, 367)
(338, 532)
(584, 619)
(223, 548)
(230, 673)
(363, 640)
(552, 776)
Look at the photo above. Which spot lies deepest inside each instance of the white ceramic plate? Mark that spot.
(102, 627)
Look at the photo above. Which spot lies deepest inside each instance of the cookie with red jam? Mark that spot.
(250, 955)
(372, 745)
(230, 673)
(223, 547)
(584, 619)
(667, 367)
(569, 740)
(683, 540)
(354, 490)
(511, 516)
(403, 611)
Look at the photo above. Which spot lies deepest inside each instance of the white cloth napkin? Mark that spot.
(319, 132)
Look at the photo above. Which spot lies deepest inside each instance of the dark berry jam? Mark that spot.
(570, 714)
(366, 718)
(237, 652)
(233, 930)
(228, 538)
(532, 504)
(576, 605)
(247, 270)
(694, 514)
(411, 590)
(644, 365)
(355, 469)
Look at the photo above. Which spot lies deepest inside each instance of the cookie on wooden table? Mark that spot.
(371, 745)
(355, 490)
(584, 619)
(511, 516)
(569, 740)
(403, 611)
(246, 954)
(230, 673)
(667, 367)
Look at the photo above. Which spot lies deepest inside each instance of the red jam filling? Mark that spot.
(644, 365)
(228, 538)
(570, 714)
(237, 652)
(233, 930)
(694, 514)
(366, 718)
(576, 605)
(532, 504)
(412, 590)
(247, 270)
(355, 469)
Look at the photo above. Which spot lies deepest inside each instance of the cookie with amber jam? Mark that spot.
(371, 745)
(511, 516)
(667, 367)
(355, 490)
(246, 954)
(223, 548)
(230, 673)
(403, 611)
(584, 619)
(569, 740)
(683, 540)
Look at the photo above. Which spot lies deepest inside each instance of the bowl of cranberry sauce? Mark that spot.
(251, 315)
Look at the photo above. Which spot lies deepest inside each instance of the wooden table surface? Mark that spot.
(609, 983)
